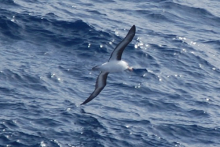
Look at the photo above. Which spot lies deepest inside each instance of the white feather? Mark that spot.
(113, 66)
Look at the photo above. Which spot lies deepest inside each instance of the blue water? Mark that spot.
(47, 50)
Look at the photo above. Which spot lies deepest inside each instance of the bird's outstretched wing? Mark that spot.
(100, 84)
(116, 54)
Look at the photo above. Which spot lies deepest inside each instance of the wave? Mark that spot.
(25, 81)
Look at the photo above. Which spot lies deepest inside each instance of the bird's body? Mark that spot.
(114, 64)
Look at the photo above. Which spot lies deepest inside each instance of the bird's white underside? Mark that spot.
(113, 66)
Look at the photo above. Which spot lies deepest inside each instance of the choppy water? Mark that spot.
(47, 50)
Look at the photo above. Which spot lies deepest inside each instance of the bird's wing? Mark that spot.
(100, 84)
(116, 54)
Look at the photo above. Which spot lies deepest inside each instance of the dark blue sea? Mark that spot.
(170, 99)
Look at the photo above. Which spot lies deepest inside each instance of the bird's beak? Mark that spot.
(130, 68)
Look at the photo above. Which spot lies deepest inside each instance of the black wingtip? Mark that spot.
(133, 28)
(132, 31)
(84, 102)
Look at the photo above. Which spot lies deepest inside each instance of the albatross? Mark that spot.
(114, 64)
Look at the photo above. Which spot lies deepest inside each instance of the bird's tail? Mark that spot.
(96, 68)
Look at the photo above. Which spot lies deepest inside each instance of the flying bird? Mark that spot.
(114, 64)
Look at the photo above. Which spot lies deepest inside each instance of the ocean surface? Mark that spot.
(47, 51)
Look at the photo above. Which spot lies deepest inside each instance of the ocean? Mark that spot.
(170, 99)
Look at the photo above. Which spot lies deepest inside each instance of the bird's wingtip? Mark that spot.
(83, 103)
(133, 29)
